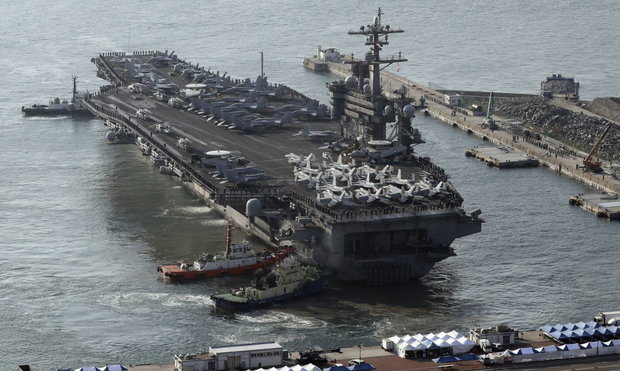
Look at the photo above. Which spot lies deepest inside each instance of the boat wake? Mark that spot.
(194, 210)
(214, 222)
(142, 300)
(47, 118)
(284, 320)
(186, 300)
(188, 212)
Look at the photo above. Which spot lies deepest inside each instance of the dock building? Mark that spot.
(560, 86)
(232, 357)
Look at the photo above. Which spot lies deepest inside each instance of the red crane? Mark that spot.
(589, 163)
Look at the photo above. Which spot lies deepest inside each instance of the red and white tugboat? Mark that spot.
(239, 258)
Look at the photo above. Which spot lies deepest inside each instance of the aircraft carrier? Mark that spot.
(341, 184)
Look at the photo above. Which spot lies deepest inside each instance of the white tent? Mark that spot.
(552, 352)
(401, 345)
(462, 345)
(308, 367)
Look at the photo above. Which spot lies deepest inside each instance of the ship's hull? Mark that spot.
(380, 243)
(384, 251)
(175, 273)
(39, 111)
(308, 288)
(178, 274)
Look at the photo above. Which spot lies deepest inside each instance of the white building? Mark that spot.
(501, 334)
(329, 54)
(453, 100)
(231, 357)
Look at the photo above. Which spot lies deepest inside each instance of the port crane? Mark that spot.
(589, 163)
(488, 120)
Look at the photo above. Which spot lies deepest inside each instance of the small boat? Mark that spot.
(119, 135)
(58, 107)
(288, 280)
(143, 145)
(158, 158)
(239, 258)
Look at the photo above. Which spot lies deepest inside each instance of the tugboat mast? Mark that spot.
(74, 89)
(229, 228)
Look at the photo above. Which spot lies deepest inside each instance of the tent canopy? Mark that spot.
(452, 339)
(308, 367)
(361, 367)
(463, 357)
(114, 368)
(336, 368)
(445, 359)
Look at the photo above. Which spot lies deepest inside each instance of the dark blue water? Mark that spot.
(83, 225)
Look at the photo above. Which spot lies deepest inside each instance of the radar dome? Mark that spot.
(409, 111)
(253, 207)
(388, 111)
(367, 89)
(110, 136)
(350, 81)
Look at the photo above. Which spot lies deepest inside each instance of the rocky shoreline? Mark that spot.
(577, 129)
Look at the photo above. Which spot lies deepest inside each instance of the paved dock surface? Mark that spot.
(608, 363)
(386, 361)
(602, 204)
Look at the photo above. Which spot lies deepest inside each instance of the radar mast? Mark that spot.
(376, 37)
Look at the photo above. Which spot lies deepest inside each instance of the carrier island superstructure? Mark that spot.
(342, 185)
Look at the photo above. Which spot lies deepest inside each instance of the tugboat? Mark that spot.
(58, 107)
(288, 280)
(239, 258)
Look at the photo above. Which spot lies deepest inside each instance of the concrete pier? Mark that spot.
(316, 65)
(604, 205)
(501, 157)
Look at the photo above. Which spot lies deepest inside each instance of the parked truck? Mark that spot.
(608, 318)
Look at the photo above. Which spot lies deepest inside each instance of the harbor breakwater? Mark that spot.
(576, 128)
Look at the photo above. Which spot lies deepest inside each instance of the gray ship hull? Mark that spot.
(384, 249)
(380, 242)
